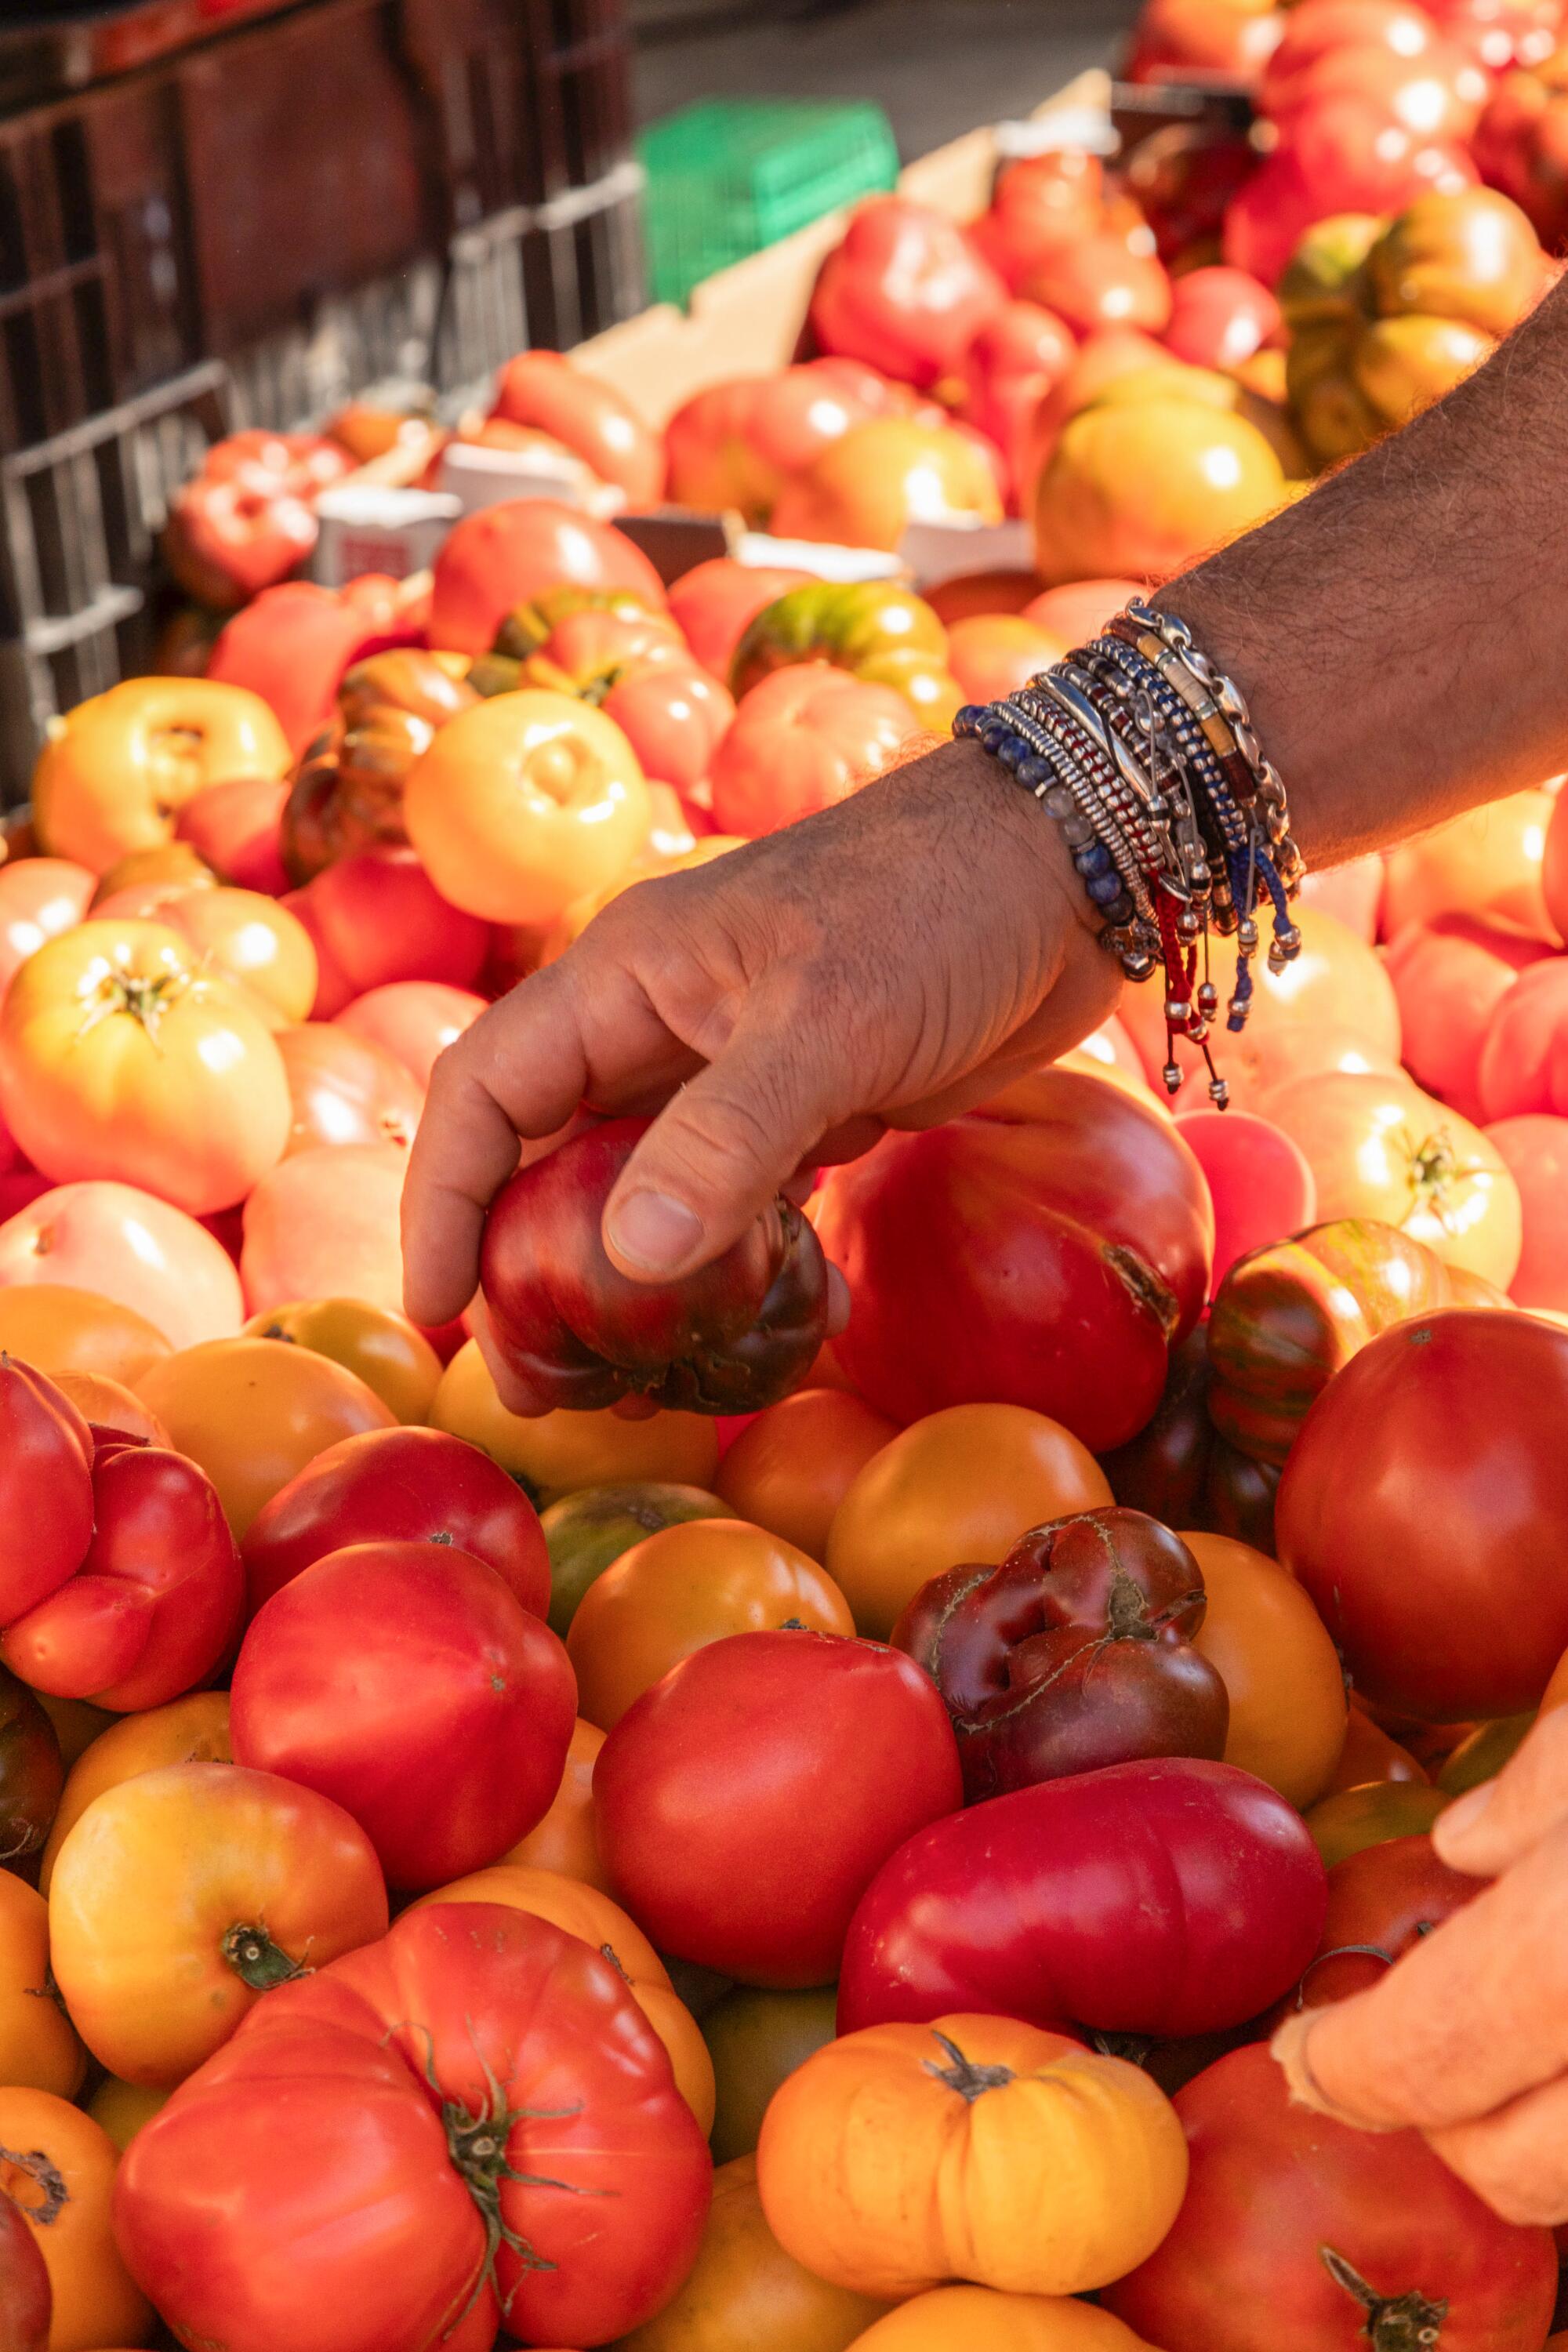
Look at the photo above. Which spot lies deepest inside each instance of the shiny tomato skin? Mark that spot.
(804, 739)
(904, 291)
(745, 1800)
(1273, 2185)
(399, 1486)
(114, 1242)
(465, 2011)
(716, 602)
(1047, 1260)
(39, 897)
(415, 1020)
(1382, 1900)
(1165, 1899)
(1422, 1508)
(543, 389)
(46, 1487)
(674, 716)
(345, 1089)
(505, 555)
(406, 1682)
(155, 1604)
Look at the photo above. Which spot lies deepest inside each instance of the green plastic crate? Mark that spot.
(726, 178)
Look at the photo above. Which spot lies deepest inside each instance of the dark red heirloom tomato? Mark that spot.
(732, 1338)
(1299, 2233)
(1382, 1901)
(1423, 1508)
(1181, 1471)
(46, 1487)
(156, 1603)
(1076, 1653)
(744, 1803)
(407, 1682)
(399, 1486)
(1165, 1899)
(24, 2299)
(31, 1777)
(1045, 1251)
(479, 2122)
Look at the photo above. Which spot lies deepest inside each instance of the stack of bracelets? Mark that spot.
(1144, 754)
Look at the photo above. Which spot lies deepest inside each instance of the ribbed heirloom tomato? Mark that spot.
(120, 1057)
(482, 2121)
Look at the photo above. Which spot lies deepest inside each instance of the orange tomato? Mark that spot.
(252, 1413)
(560, 1453)
(121, 1056)
(1370, 1755)
(524, 803)
(253, 941)
(961, 1485)
(182, 1896)
(58, 2166)
(109, 1404)
(678, 1590)
(58, 1329)
(1486, 863)
(123, 2107)
(39, 2048)
(116, 775)
(867, 487)
(190, 1730)
(1079, 610)
(1271, 1650)
(593, 1918)
(379, 1348)
(745, 2291)
(1378, 1147)
(755, 2038)
(1556, 1691)
(1144, 486)
(565, 1840)
(993, 653)
(790, 1469)
(953, 2315)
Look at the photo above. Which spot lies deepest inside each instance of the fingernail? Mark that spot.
(1457, 1820)
(651, 1230)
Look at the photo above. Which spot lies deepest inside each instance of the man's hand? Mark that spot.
(889, 961)
(1467, 2037)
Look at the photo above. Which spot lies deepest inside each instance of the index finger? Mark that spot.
(1472, 2017)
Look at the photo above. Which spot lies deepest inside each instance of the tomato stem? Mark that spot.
(257, 1960)
(1403, 2323)
(45, 2176)
(969, 2080)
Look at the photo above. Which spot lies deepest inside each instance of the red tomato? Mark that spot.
(377, 917)
(293, 643)
(1329, 2231)
(1046, 1256)
(1167, 1897)
(1080, 611)
(1421, 1507)
(735, 445)
(1343, 155)
(131, 1247)
(745, 1801)
(716, 602)
(480, 2119)
(1020, 353)
(1220, 317)
(123, 1056)
(1040, 202)
(415, 1020)
(344, 1089)
(1098, 282)
(155, 1603)
(1524, 1055)
(406, 1682)
(507, 553)
(1382, 1902)
(235, 827)
(399, 1486)
(904, 291)
(1536, 1149)
(674, 716)
(24, 2296)
(543, 389)
(46, 1487)
(802, 739)
(324, 1225)
(1259, 1182)
(1450, 977)
(39, 898)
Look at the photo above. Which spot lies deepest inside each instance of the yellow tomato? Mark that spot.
(560, 1453)
(58, 2166)
(1272, 1651)
(190, 1730)
(382, 1349)
(565, 1840)
(57, 1329)
(525, 804)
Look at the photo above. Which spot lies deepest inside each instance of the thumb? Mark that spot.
(717, 1155)
(1491, 1828)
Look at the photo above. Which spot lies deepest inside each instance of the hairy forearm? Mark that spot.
(1400, 634)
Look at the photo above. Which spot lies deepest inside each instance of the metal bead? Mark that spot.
(1198, 874)
(1208, 1000)
(1138, 963)
(1178, 1012)
(1172, 1077)
(1188, 924)
(1246, 935)
(1219, 1093)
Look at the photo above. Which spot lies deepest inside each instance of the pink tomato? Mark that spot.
(1220, 317)
(323, 1223)
(39, 897)
(1535, 1147)
(414, 1020)
(1525, 1058)
(804, 737)
(1259, 1180)
(1351, 893)
(129, 1247)
(1080, 611)
(1450, 977)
